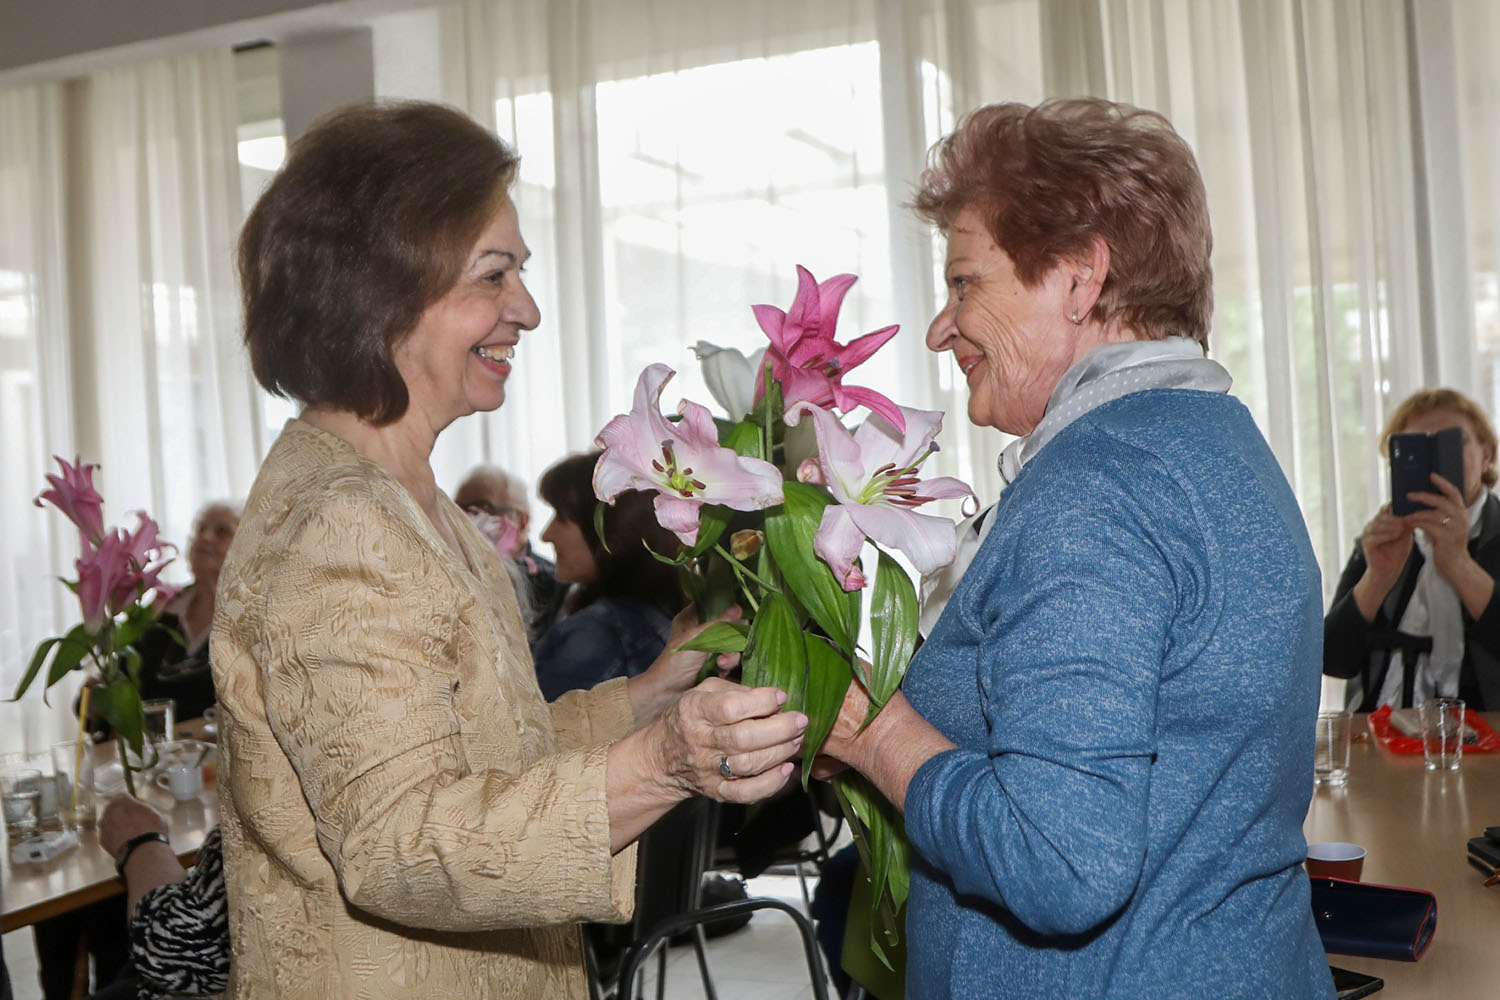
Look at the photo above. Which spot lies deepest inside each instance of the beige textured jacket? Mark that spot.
(403, 814)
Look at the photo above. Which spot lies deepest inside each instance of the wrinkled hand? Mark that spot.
(842, 747)
(1446, 525)
(675, 671)
(718, 719)
(123, 818)
(1387, 544)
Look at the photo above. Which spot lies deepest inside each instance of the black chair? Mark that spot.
(670, 861)
(656, 938)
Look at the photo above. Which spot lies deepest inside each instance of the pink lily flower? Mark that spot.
(120, 570)
(808, 362)
(682, 462)
(73, 493)
(149, 555)
(872, 475)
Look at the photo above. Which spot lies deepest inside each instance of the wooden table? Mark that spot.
(1414, 824)
(86, 874)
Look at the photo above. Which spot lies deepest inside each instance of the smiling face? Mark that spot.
(1476, 456)
(575, 561)
(458, 358)
(1012, 343)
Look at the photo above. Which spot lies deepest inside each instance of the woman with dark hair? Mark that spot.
(620, 608)
(403, 814)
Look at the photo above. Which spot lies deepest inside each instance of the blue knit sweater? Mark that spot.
(1130, 670)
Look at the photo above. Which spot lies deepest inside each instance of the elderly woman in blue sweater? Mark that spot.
(1104, 749)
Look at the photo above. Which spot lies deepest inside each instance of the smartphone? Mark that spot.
(1353, 985)
(1415, 457)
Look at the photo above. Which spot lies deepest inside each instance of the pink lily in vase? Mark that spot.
(872, 475)
(73, 493)
(120, 570)
(682, 462)
(809, 363)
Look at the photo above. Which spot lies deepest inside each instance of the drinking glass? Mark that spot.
(1331, 748)
(75, 800)
(161, 718)
(21, 801)
(1442, 733)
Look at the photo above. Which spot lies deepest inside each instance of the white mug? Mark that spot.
(184, 781)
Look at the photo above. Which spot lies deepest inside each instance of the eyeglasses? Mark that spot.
(495, 509)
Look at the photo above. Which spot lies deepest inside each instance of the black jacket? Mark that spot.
(1353, 647)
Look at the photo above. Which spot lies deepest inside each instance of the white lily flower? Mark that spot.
(731, 377)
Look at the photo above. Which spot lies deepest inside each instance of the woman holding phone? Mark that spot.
(1418, 588)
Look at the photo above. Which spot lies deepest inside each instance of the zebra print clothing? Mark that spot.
(179, 935)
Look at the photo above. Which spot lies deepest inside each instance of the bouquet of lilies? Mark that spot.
(121, 595)
(779, 522)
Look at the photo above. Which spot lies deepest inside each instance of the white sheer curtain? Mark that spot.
(118, 320)
(173, 399)
(35, 392)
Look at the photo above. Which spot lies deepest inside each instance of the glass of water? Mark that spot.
(1331, 748)
(21, 801)
(1442, 733)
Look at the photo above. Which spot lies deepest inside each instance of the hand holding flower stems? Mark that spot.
(796, 530)
(120, 594)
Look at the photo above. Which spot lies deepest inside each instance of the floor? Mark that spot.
(762, 961)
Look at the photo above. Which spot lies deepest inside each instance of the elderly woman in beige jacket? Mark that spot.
(403, 814)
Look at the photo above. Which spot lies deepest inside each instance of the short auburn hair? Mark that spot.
(1424, 401)
(367, 223)
(1048, 179)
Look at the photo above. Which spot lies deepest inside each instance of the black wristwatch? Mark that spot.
(128, 848)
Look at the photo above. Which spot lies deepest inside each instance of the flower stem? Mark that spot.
(744, 570)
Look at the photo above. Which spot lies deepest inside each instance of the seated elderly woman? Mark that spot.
(1104, 748)
(403, 814)
(176, 918)
(622, 602)
(1418, 590)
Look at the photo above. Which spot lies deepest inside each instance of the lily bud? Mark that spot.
(745, 543)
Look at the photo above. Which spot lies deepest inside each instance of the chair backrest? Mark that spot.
(672, 857)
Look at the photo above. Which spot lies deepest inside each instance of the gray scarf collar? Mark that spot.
(1108, 372)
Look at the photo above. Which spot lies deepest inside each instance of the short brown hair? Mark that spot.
(366, 224)
(1425, 401)
(1048, 179)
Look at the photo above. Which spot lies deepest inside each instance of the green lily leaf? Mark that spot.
(744, 438)
(775, 653)
(37, 659)
(893, 630)
(881, 837)
(137, 620)
(720, 637)
(70, 653)
(789, 533)
(828, 678)
(720, 589)
(712, 520)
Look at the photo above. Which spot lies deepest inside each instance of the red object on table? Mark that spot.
(1389, 737)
